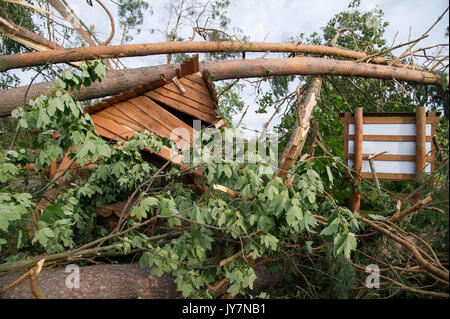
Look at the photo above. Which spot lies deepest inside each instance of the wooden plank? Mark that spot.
(143, 118)
(211, 119)
(189, 66)
(199, 88)
(357, 161)
(197, 78)
(126, 124)
(210, 86)
(184, 69)
(395, 120)
(107, 134)
(159, 114)
(129, 94)
(139, 90)
(345, 120)
(113, 100)
(114, 132)
(165, 118)
(120, 133)
(116, 112)
(191, 94)
(433, 150)
(116, 115)
(390, 176)
(52, 169)
(182, 99)
(195, 65)
(388, 138)
(396, 158)
(166, 153)
(420, 138)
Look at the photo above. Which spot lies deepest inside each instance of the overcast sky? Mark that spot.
(277, 20)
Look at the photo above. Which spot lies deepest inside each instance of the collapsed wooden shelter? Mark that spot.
(163, 107)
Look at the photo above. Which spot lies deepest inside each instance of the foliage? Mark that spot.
(194, 231)
(63, 222)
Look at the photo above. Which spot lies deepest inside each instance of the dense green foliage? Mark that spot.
(174, 227)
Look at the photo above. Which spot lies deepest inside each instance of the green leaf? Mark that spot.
(100, 70)
(330, 229)
(350, 244)
(227, 171)
(234, 289)
(52, 213)
(293, 215)
(48, 232)
(330, 175)
(345, 243)
(7, 214)
(53, 104)
(270, 241)
(308, 245)
(377, 217)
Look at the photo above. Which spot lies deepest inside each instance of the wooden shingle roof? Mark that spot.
(160, 107)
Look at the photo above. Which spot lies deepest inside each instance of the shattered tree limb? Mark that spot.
(25, 37)
(29, 39)
(432, 266)
(119, 81)
(301, 128)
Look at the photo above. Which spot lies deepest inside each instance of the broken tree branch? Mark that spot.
(420, 204)
(302, 124)
(443, 274)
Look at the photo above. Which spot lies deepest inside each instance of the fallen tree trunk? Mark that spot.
(123, 80)
(127, 281)
(15, 61)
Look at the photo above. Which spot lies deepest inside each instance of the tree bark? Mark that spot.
(8, 62)
(127, 281)
(119, 81)
(301, 128)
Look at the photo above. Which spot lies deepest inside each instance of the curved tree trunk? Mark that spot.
(119, 81)
(112, 281)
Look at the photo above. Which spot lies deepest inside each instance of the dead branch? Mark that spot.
(420, 204)
(443, 274)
